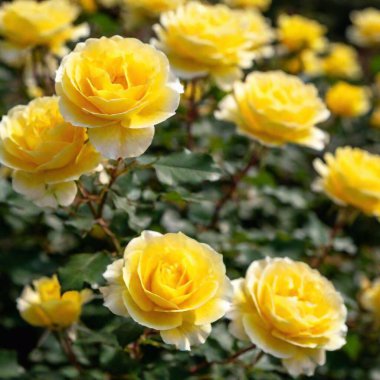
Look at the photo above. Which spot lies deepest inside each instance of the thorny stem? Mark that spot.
(103, 196)
(67, 348)
(237, 178)
(102, 199)
(192, 113)
(338, 226)
(228, 360)
(91, 199)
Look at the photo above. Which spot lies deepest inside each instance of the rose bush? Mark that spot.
(207, 255)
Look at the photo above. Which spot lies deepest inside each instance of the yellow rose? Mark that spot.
(342, 61)
(365, 30)
(297, 33)
(25, 24)
(276, 108)
(289, 311)
(370, 298)
(210, 40)
(154, 7)
(45, 306)
(351, 177)
(347, 100)
(46, 152)
(119, 88)
(170, 283)
(259, 4)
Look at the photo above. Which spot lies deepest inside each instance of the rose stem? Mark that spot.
(192, 114)
(104, 194)
(237, 178)
(340, 222)
(66, 346)
(100, 222)
(228, 360)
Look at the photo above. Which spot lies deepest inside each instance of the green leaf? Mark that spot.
(186, 167)
(353, 346)
(9, 367)
(117, 361)
(128, 332)
(83, 267)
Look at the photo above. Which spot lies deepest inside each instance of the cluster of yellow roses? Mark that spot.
(178, 286)
(112, 92)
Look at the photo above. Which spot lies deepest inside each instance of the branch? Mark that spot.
(238, 177)
(67, 348)
(338, 226)
(228, 360)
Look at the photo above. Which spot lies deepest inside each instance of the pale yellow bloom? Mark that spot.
(289, 311)
(258, 4)
(46, 153)
(45, 306)
(170, 283)
(25, 24)
(365, 30)
(342, 61)
(119, 88)
(370, 298)
(216, 41)
(297, 33)
(351, 177)
(347, 100)
(154, 7)
(276, 108)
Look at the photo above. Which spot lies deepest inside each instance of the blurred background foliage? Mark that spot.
(273, 213)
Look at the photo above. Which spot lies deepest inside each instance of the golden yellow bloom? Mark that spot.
(276, 108)
(351, 177)
(258, 4)
(347, 100)
(342, 62)
(45, 306)
(289, 311)
(205, 40)
(297, 33)
(46, 152)
(119, 88)
(170, 283)
(25, 24)
(375, 117)
(370, 298)
(154, 7)
(365, 30)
